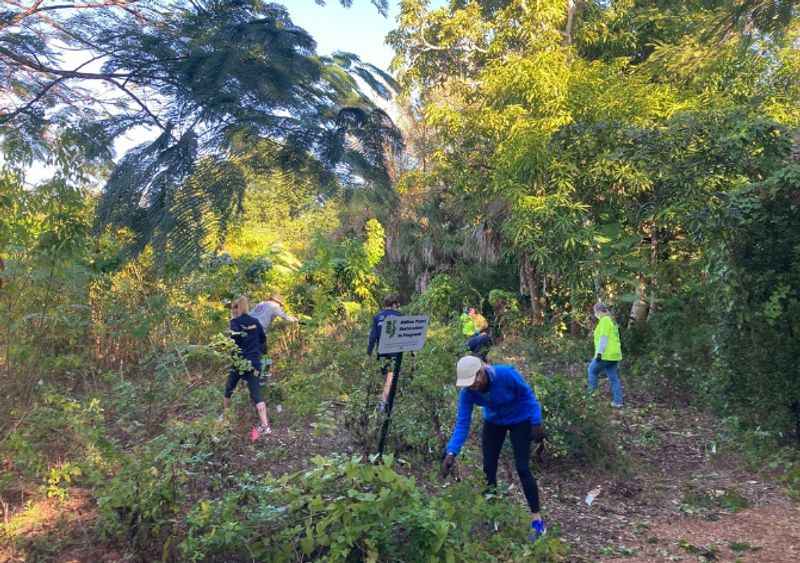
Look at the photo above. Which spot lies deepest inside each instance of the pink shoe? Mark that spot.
(259, 431)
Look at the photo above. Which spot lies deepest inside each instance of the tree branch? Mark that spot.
(427, 47)
(40, 95)
(8, 117)
(37, 8)
(34, 65)
(141, 105)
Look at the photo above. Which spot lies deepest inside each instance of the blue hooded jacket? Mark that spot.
(509, 400)
(377, 325)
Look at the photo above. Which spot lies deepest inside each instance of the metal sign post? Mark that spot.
(389, 404)
(398, 335)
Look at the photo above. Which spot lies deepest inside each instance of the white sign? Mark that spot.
(403, 334)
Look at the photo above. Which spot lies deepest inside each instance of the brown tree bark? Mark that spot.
(530, 278)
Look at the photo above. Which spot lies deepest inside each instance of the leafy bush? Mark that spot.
(332, 369)
(143, 499)
(578, 425)
(443, 299)
(758, 277)
(61, 427)
(507, 313)
(672, 352)
(344, 509)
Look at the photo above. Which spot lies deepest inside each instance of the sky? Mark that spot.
(360, 29)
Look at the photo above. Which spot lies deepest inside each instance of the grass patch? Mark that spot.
(706, 552)
(705, 503)
(741, 547)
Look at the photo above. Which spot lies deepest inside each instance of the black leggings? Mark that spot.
(251, 377)
(493, 437)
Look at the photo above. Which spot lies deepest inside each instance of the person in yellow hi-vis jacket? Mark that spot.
(607, 354)
(478, 321)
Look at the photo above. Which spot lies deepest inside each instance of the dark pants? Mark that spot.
(493, 437)
(251, 377)
(388, 363)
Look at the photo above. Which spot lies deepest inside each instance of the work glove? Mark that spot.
(447, 465)
(599, 357)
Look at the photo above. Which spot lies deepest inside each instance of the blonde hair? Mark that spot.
(240, 306)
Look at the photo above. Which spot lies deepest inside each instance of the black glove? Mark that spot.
(538, 434)
(447, 465)
(599, 357)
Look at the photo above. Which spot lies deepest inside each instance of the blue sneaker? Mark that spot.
(538, 529)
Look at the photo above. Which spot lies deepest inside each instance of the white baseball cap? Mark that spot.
(467, 370)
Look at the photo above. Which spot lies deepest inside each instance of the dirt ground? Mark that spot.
(686, 501)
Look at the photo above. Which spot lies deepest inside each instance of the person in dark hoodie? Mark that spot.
(479, 345)
(249, 336)
(390, 305)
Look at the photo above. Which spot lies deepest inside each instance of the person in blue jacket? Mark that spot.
(390, 306)
(509, 407)
(479, 345)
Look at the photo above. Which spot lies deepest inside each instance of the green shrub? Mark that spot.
(333, 368)
(143, 499)
(578, 424)
(757, 280)
(508, 316)
(672, 352)
(344, 509)
(443, 298)
(65, 428)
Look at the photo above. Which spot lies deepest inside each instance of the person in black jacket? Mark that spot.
(249, 336)
(390, 305)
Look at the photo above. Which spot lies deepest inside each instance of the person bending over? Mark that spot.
(467, 323)
(479, 321)
(266, 312)
(249, 336)
(479, 345)
(509, 407)
(390, 306)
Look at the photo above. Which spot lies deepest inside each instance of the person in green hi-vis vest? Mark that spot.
(607, 354)
(467, 324)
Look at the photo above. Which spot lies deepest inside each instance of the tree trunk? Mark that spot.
(653, 265)
(644, 306)
(423, 281)
(529, 278)
(570, 22)
(572, 11)
(796, 147)
(641, 307)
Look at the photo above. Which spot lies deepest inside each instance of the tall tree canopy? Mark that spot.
(615, 150)
(80, 76)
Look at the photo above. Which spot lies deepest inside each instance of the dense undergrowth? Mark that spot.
(167, 475)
